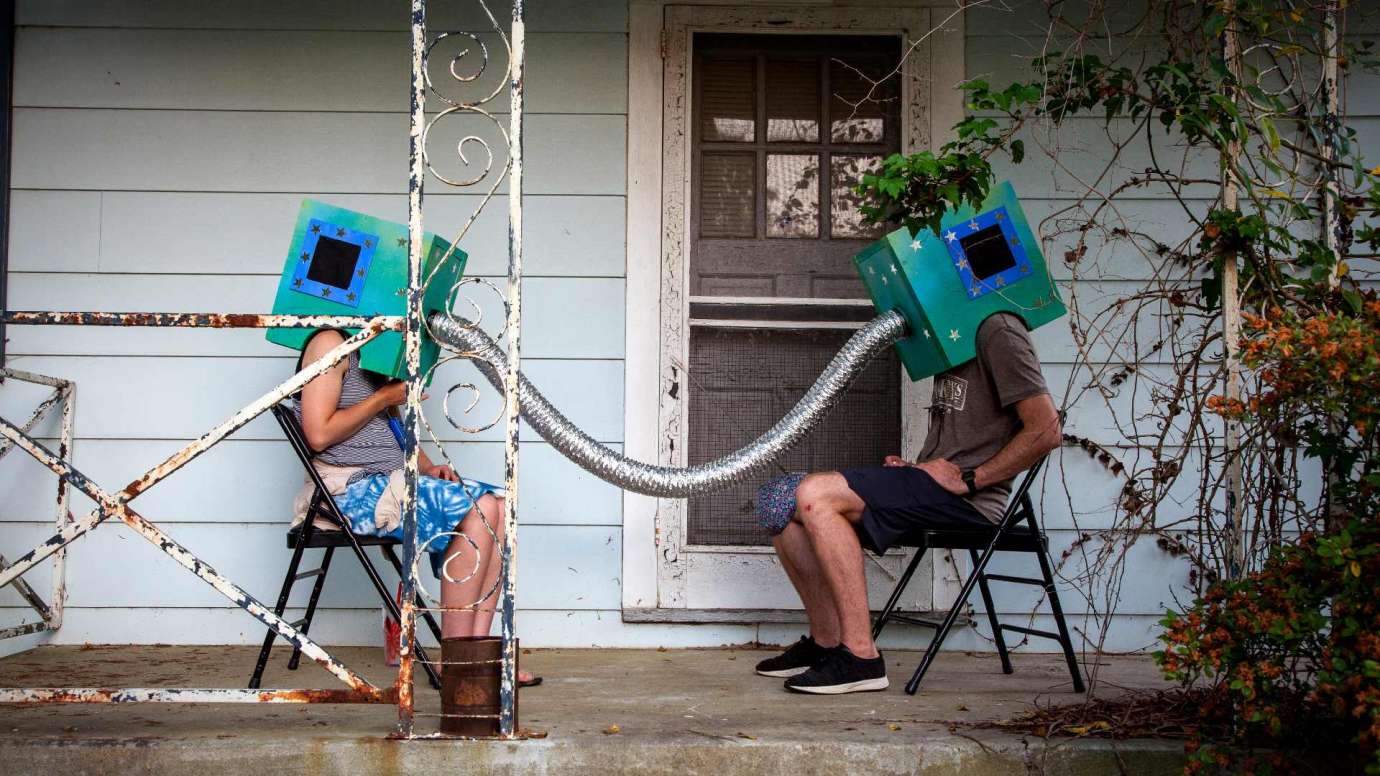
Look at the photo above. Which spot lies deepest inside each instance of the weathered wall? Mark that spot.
(160, 152)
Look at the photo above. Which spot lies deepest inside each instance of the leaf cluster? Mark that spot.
(916, 190)
(1195, 98)
(1318, 375)
(1289, 657)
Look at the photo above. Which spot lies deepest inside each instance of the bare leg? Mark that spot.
(492, 507)
(466, 593)
(826, 507)
(798, 558)
(464, 580)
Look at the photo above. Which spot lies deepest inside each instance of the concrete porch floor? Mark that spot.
(677, 711)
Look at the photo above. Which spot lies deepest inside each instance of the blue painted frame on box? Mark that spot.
(364, 241)
(976, 288)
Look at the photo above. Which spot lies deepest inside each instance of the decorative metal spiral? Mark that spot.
(479, 159)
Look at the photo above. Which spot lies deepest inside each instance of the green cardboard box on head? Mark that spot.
(341, 262)
(983, 261)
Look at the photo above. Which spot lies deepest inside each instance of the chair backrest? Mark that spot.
(1020, 497)
(293, 431)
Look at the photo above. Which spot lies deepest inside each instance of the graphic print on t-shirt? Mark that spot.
(950, 393)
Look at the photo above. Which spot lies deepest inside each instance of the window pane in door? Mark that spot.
(792, 195)
(863, 97)
(793, 100)
(845, 216)
(728, 100)
(727, 181)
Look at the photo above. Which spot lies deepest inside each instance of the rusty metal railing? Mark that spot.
(50, 612)
(116, 504)
(489, 182)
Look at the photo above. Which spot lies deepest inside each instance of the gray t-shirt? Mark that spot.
(972, 411)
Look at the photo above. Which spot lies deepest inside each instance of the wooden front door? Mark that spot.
(783, 126)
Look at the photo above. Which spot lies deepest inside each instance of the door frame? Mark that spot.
(657, 334)
(7, 38)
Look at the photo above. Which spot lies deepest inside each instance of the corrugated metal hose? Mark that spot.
(674, 481)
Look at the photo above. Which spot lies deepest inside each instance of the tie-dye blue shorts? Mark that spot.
(441, 505)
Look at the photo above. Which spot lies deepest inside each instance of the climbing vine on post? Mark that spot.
(1255, 161)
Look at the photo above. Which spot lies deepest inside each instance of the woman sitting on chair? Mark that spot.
(344, 415)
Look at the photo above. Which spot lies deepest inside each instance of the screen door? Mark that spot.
(783, 128)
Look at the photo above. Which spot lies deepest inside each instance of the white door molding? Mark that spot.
(654, 551)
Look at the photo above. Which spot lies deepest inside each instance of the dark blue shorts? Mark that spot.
(900, 499)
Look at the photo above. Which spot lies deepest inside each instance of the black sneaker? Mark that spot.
(797, 659)
(842, 672)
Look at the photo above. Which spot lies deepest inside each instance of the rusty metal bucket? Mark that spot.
(470, 675)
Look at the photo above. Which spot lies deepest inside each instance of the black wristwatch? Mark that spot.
(970, 479)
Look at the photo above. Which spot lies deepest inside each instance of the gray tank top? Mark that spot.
(373, 446)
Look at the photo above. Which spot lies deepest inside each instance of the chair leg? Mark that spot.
(885, 614)
(392, 606)
(932, 650)
(311, 606)
(992, 616)
(943, 630)
(1058, 611)
(278, 609)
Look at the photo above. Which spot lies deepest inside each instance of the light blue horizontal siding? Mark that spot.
(567, 565)
(297, 71)
(543, 628)
(165, 232)
(582, 16)
(339, 153)
(547, 332)
(147, 397)
(553, 490)
(161, 152)
(201, 126)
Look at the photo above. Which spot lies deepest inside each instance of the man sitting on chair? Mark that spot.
(990, 419)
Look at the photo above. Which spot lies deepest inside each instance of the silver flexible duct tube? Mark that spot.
(669, 481)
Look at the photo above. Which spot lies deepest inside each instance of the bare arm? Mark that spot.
(324, 422)
(440, 471)
(1040, 433)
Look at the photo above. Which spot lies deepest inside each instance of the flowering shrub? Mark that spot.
(1319, 376)
(1288, 658)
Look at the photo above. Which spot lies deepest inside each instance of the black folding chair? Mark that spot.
(307, 536)
(1006, 536)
